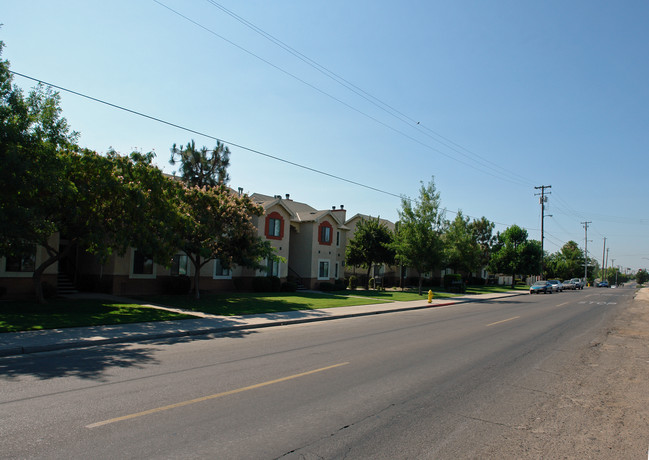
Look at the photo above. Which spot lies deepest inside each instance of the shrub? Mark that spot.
(339, 284)
(275, 284)
(49, 291)
(353, 282)
(178, 285)
(261, 284)
(289, 286)
(326, 287)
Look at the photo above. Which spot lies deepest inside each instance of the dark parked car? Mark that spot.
(541, 286)
(603, 284)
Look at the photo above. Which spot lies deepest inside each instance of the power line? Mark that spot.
(367, 96)
(517, 180)
(209, 136)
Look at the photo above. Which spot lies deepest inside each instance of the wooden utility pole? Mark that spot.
(542, 200)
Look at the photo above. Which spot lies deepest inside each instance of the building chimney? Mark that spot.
(288, 196)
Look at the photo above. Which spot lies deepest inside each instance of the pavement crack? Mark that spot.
(332, 434)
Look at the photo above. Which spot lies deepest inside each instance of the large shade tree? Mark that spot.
(102, 204)
(418, 235)
(370, 245)
(461, 249)
(482, 230)
(514, 254)
(217, 223)
(567, 263)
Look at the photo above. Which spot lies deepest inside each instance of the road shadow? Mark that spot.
(95, 362)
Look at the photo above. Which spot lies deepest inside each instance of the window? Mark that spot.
(324, 233)
(336, 270)
(273, 267)
(25, 262)
(274, 226)
(220, 271)
(142, 264)
(180, 265)
(323, 270)
(337, 238)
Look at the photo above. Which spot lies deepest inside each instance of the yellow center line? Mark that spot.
(503, 321)
(206, 398)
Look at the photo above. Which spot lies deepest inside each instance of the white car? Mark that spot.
(557, 286)
(568, 284)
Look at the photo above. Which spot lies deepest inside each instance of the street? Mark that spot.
(436, 383)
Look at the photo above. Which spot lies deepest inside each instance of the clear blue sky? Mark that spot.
(490, 98)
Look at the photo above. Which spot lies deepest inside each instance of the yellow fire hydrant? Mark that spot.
(430, 296)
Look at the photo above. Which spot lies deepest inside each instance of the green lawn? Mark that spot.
(254, 303)
(396, 295)
(26, 316)
(29, 316)
(494, 289)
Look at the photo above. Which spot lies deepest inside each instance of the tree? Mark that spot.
(418, 236)
(217, 223)
(642, 276)
(370, 245)
(482, 230)
(461, 249)
(567, 263)
(200, 169)
(513, 253)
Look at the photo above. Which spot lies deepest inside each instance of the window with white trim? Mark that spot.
(21, 263)
(273, 267)
(323, 270)
(220, 272)
(142, 265)
(179, 265)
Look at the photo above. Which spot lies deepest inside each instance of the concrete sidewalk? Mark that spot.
(16, 343)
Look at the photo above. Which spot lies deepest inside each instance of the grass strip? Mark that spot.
(60, 313)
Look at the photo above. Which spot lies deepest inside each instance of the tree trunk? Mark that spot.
(38, 272)
(421, 282)
(367, 283)
(197, 276)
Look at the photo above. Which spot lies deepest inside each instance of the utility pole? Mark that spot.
(542, 201)
(606, 265)
(586, 251)
(603, 258)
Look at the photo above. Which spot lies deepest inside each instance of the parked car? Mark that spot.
(579, 284)
(568, 284)
(557, 286)
(541, 286)
(603, 284)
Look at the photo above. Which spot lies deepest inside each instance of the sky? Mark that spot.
(359, 103)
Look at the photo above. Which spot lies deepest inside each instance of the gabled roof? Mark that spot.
(386, 222)
(269, 201)
(300, 212)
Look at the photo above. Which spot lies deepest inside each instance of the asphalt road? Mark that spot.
(436, 383)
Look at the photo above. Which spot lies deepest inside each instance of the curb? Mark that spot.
(83, 343)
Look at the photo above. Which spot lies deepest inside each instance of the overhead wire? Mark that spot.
(370, 97)
(517, 181)
(234, 144)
